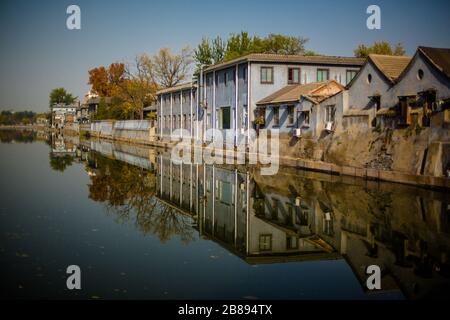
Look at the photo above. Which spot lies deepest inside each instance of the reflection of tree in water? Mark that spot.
(128, 193)
(21, 136)
(60, 163)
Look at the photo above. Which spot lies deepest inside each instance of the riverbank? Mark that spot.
(26, 127)
(290, 159)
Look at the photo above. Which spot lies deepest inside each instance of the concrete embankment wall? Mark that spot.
(136, 131)
(410, 156)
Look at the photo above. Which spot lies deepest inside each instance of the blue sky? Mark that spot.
(38, 53)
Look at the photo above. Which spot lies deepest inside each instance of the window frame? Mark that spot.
(353, 71)
(276, 120)
(293, 81)
(306, 115)
(320, 70)
(290, 117)
(266, 237)
(261, 75)
(327, 113)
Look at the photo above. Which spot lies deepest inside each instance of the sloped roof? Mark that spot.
(282, 58)
(183, 86)
(292, 93)
(439, 57)
(390, 66)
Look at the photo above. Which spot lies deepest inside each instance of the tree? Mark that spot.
(382, 47)
(218, 50)
(169, 69)
(203, 53)
(139, 88)
(240, 44)
(281, 44)
(60, 95)
(106, 82)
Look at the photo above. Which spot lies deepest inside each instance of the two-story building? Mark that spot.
(229, 92)
(176, 108)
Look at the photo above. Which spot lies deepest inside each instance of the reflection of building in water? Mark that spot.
(229, 209)
(299, 215)
(288, 217)
(402, 229)
(62, 147)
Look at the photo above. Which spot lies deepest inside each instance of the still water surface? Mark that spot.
(141, 227)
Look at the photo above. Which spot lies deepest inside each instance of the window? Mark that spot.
(350, 74)
(276, 116)
(369, 78)
(377, 102)
(330, 113)
(275, 208)
(291, 242)
(267, 75)
(323, 75)
(225, 118)
(420, 74)
(262, 116)
(185, 121)
(225, 79)
(305, 118)
(265, 242)
(293, 75)
(244, 74)
(290, 112)
(290, 216)
(224, 192)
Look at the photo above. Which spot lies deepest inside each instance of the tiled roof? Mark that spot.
(267, 57)
(179, 87)
(390, 66)
(292, 93)
(439, 57)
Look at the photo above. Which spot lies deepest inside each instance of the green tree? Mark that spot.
(60, 95)
(382, 47)
(203, 53)
(240, 44)
(281, 44)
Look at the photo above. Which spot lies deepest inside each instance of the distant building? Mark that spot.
(63, 114)
(42, 121)
(88, 108)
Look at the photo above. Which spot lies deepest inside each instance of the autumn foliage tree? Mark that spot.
(129, 88)
(106, 82)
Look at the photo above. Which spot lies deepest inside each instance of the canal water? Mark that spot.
(142, 227)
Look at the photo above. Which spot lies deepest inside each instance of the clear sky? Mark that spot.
(39, 53)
